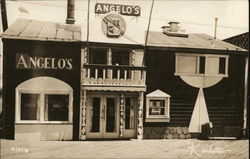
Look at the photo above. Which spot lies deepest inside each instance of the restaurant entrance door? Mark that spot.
(102, 116)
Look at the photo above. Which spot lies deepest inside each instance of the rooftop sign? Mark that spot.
(103, 8)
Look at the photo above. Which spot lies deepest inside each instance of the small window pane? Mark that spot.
(95, 115)
(187, 64)
(156, 107)
(202, 65)
(98, 56)
(222, 64)
(212, 65)
(111, 115)
(30, 107)
(56, 107)
(120, 57)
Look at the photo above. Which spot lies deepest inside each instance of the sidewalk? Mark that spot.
(165, 149)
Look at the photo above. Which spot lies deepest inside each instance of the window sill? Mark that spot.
(201, 75)
(43, 123)
(157, 120)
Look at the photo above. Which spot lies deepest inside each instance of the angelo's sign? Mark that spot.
(103, 8)
(24, 61)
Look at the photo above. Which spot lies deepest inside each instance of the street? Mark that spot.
(167, 149)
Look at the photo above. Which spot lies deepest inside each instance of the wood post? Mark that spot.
(83, 115)
(122, 114)
(109, 62)
(140, 117)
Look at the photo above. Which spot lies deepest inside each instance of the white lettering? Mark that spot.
(137, 10)
(40, 62)
(33, 61)
(46, 62)
(69, 62)
(21, 61)
(25, 61)
(112, 8)
(123, 10)
(129, 10)
(98, 8)
(61, 63)
(105, 8)
(118, 9)
(53, 63)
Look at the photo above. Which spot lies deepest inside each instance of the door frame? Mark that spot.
(102, 134)
(130, 133)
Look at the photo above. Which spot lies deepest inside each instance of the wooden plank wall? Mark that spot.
(224, 100)
(13, 77)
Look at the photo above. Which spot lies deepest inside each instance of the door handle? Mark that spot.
(103, 113)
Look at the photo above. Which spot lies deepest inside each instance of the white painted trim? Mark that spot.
(158, 118)
(245, 94)
(177, 54)
(21, 89)
(201, 75)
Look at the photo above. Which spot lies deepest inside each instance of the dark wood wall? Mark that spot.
(224, 100)
(12, 77)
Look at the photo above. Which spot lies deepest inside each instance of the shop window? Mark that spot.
(30, 107)
(44, 100)
(56, 107)
(201, 64)
(157, 107)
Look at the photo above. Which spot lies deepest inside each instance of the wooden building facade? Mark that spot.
(41, 92)
(61, 83)
(206, 81)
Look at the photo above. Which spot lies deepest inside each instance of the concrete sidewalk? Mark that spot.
(167, 149)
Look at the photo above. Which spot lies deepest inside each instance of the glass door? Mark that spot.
(102, 117)
(94, 117)
(111, 117)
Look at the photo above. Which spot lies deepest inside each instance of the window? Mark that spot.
(156, 107)
(30, 107)
(120, 57)
(157, 104)
(201, 64)
(44, 100)
(56, 107)
(98, 56)
(129, 113)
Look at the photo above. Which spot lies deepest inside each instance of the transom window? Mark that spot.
(158, 106)
(201, 64)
